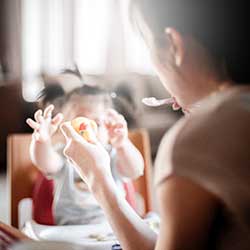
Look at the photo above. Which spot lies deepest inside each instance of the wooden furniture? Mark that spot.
(12, 233)
(13, 112)
(140, 139)
(22, 174)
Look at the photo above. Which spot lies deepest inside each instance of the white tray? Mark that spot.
(96, 237)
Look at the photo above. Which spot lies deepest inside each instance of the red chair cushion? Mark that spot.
(43, 200)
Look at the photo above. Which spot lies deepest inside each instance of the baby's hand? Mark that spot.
(44, 125)
(117, 128)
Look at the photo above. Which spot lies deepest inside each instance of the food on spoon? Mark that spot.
(87, 128)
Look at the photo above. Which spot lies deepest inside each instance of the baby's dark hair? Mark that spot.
(88, 90)
(94, 91)
(55, 94)
(52, 94)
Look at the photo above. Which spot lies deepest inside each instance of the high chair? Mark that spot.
(22, 175)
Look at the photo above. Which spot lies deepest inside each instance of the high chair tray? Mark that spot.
(95, 236)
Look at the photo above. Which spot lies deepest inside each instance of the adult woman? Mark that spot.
(200, 52)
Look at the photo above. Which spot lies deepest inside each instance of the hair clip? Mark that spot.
(113, 95)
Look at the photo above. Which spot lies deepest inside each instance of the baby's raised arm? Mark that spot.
(129, 160)
(42, 152)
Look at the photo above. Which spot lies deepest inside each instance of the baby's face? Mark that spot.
(89, 107)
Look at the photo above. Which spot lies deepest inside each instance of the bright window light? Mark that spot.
(52, 35)
(31, 47)
(91, 34)
(137, 58)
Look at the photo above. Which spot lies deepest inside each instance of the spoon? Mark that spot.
(153, 102)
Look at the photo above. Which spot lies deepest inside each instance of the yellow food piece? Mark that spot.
(87, 128)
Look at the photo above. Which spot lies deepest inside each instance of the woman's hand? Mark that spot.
(44, 125)
(91, 160)
(93, 164)
(117, 128)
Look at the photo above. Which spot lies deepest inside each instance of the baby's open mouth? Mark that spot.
(153, 102)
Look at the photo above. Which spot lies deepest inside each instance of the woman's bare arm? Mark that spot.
(187, 212)
(132, 231)
(93, 164)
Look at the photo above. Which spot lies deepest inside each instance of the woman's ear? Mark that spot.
(176, 45)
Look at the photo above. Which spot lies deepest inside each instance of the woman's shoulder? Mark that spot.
(211, 148)
(216, 133)
(227, 110)
(236, 98)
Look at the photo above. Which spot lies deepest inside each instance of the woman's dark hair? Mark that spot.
(221, 26)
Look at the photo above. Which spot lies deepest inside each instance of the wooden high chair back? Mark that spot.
(22, 174)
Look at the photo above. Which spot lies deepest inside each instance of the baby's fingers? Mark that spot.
(39, 116)
(112, 113)
(48, 111)
(57, 119)
(119, 131)
(116, 126)
(33, 124)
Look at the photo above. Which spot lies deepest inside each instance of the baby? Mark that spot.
(73, 203)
